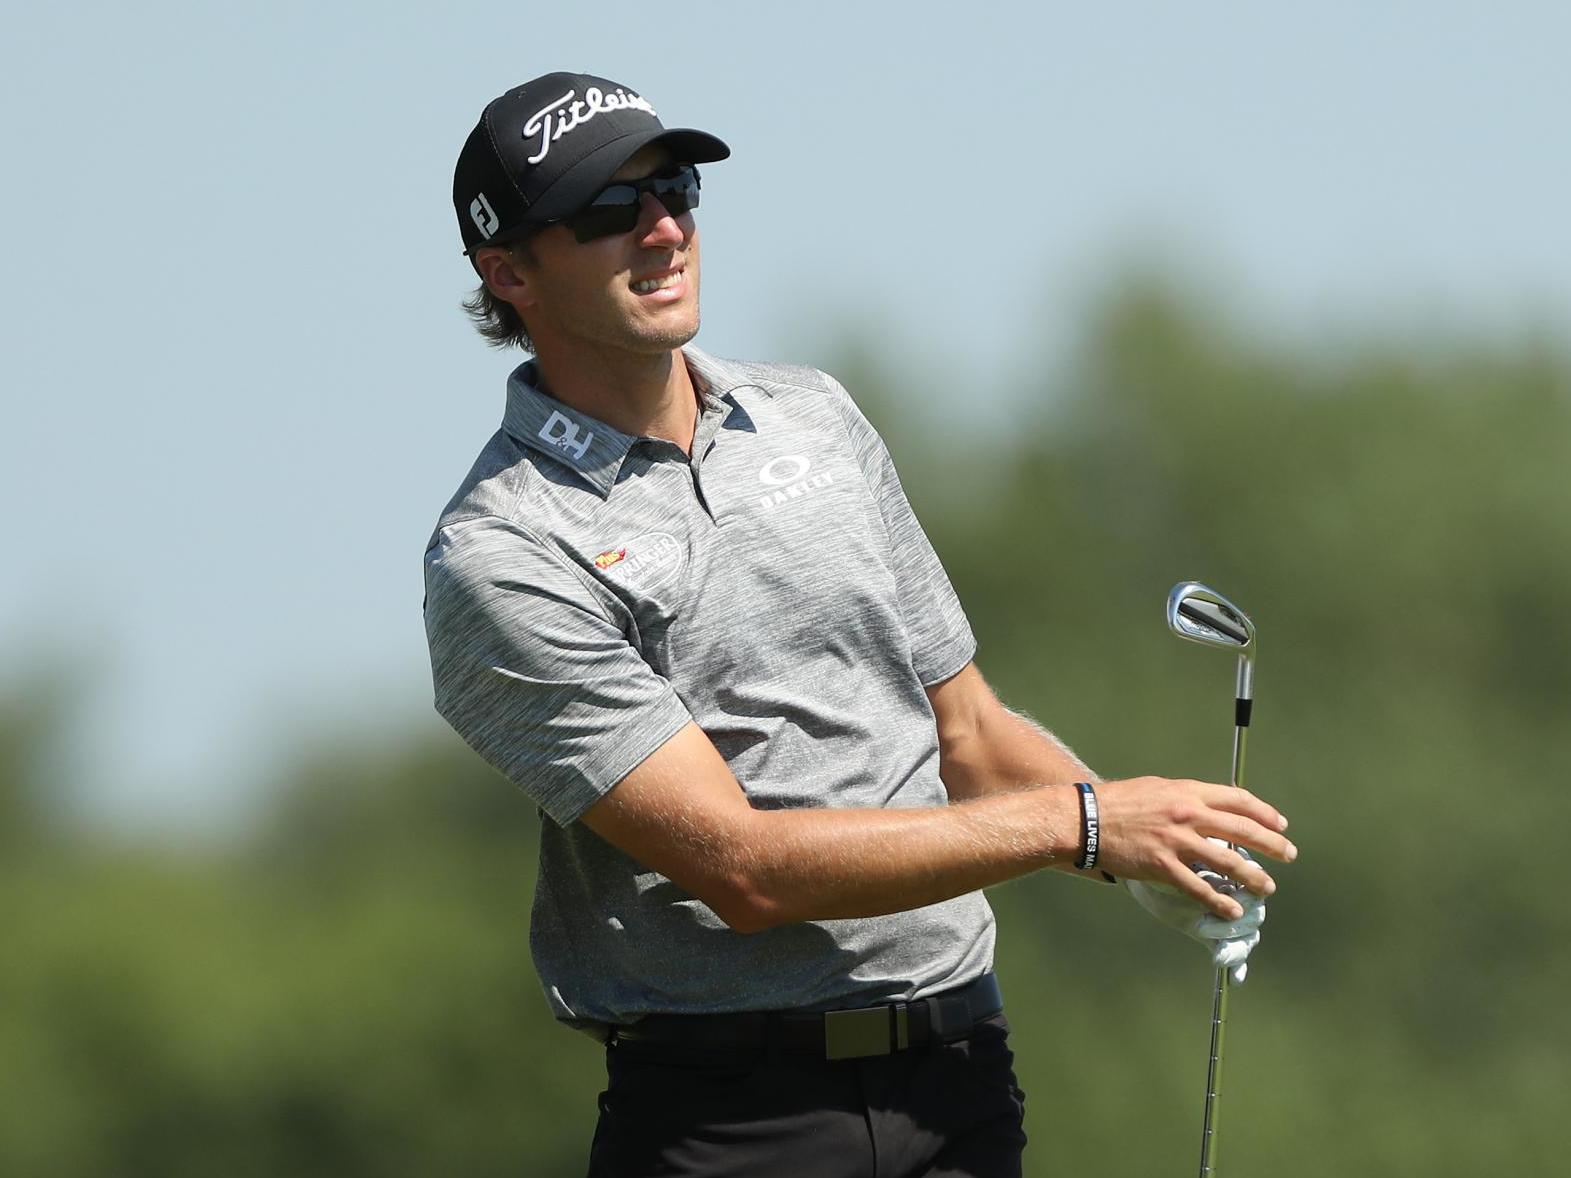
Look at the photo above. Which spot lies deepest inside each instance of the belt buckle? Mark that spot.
(853, 1034)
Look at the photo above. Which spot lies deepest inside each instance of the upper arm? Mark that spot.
(986, 748)
(963, 707)
(962, 704)
(536, 673)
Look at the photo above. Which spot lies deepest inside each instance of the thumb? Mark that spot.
(1233, 955)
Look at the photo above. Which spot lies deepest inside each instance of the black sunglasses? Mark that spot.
(616, 209)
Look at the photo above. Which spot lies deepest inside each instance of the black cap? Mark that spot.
(544, 150)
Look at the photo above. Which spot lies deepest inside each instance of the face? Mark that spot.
(631, 292)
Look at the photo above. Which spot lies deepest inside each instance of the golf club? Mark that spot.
(1203, 615)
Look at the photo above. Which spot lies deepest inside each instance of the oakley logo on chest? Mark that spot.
(789, 479)
(560, 432)
(568, 112)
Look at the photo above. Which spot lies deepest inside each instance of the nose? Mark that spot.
(657, 228)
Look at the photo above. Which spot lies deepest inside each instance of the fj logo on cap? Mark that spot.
(556, 119)
(563, 434)
(484, 215)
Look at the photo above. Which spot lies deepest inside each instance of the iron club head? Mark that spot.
(1201, 614)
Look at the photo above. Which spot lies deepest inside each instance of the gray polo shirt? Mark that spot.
(588, 593)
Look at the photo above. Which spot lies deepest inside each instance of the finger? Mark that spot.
(1238, 800)
(1234, 956)
(1224, 860)
(1240, 829)
(1231, 953)
(1197, 889)
(1254, 909)
(1247, 872)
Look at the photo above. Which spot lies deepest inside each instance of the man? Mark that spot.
(683, 603)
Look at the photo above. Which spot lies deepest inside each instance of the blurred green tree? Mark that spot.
(347, 990)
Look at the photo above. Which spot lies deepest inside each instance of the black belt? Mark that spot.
(830, 1034)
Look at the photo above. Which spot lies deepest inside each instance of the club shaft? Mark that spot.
(1223, 985)
(1240, 739)
(1214, 1071)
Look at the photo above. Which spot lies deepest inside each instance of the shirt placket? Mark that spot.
(705, 437)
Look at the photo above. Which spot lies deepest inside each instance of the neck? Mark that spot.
(641, 395)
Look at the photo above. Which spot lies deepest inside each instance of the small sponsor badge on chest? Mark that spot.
(645, 563)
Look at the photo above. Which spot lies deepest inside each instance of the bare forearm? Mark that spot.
(1009, 751)
(825, 864)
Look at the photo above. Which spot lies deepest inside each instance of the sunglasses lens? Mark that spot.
(678, 193)
(617, 208)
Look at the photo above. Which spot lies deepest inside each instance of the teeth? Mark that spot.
(653, 284)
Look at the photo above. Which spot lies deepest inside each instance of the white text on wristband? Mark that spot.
(1090, 827)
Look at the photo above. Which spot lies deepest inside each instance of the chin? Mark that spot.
(670, 332)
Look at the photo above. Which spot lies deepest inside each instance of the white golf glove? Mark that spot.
(1229, 941)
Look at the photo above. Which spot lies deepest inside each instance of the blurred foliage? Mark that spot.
(348, 991)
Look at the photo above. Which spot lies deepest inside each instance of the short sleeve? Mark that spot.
(530, 668)
(941, 639)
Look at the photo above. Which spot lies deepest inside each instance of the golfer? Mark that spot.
(683, 604)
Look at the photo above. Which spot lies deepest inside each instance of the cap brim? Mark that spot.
(584, 180)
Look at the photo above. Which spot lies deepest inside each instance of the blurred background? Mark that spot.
(1274, 298)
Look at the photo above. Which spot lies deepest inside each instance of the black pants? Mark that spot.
(952, 1110)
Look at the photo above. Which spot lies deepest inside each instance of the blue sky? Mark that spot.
(240, 390)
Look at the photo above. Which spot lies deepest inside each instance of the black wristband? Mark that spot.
(1090, 827)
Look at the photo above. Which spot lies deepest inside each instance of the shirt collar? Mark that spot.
(582, 443)
(719, 376)
(587, 445)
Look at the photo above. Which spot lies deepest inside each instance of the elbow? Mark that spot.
(744, 876)
(745, 907)
(746, 920)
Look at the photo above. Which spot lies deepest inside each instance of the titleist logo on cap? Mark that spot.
(551, 121)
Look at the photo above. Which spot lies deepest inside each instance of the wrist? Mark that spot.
(1055, 823)
(1090, 827)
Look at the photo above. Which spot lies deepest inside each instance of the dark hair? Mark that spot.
(497, 320)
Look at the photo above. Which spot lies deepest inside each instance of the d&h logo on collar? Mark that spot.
(559, 431)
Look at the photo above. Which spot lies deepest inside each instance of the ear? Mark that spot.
(506, 277)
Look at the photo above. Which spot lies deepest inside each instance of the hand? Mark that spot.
(1172, 832)
(1229, 941)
